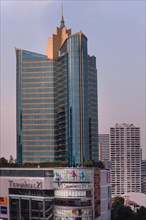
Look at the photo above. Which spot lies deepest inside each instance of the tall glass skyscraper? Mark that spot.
(57, 101)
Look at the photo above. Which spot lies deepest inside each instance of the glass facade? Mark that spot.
(61, 108)
(35, 107)
(30, 208)
(80, 96)
(93, 108)
(57, 105)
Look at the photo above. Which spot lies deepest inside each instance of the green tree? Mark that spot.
(125, 213)
(11, 159)
(92, 163)
(121, 212)
(99, 164)
(51, 164)
(141, 213)
(89, 163)
(118, 201)
(3, 162)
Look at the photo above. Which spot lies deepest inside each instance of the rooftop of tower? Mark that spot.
(55, 42)
(62, 22)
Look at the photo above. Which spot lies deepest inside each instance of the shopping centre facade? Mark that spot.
(54, 193)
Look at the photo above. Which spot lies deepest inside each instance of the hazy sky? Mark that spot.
(116, 36)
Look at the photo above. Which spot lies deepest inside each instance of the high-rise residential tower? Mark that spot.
(143, 176)
(57, 101)
(125, 156)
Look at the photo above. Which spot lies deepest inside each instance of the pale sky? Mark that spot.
(116, 36)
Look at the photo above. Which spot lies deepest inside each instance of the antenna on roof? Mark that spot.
(62, 25)
(62, 8)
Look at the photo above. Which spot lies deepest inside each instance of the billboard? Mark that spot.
(3, 210)
(3, 200)
(75, 212)
(68, 185)
(73, 175)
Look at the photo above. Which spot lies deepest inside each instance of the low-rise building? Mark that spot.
(133, 205)
(105, 195)
(54, 193)
(138, 198)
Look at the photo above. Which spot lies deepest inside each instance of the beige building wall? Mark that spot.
(56, 41)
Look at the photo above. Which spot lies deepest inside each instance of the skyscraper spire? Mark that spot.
(62, 25)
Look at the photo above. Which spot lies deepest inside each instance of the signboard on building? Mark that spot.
(68, 185)
(33, 183)
(3, 200)
(25, 184)
(73, 213)
(3, 210)
(73, 174)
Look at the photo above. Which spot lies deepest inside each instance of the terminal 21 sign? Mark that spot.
(23, 184)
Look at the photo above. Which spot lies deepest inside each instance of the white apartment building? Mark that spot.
(125, 156)
(143, 176)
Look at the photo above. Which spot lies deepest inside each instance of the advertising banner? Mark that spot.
(3, 210)
(62, 185)
(73, 175)
(76, 212)
(3, 200)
